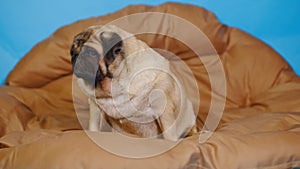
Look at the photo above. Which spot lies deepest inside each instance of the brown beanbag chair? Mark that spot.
(259, 127)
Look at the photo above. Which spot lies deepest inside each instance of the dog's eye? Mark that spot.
(117, 51)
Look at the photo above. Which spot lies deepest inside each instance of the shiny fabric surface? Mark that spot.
(260, 127)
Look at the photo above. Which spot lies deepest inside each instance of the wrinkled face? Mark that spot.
(96, 55)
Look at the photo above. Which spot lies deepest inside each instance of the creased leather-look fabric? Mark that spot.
(260, 127)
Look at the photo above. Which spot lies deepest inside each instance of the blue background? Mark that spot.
(23, 23)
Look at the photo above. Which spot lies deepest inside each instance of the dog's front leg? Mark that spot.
(94, 116)
(97, 120)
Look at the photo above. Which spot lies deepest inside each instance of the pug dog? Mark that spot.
(130, 87)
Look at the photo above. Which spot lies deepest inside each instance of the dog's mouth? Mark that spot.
(93, 60)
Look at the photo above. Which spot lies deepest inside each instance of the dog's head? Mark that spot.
(96, 53)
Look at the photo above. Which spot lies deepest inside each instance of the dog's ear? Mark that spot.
(78, 43)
